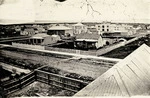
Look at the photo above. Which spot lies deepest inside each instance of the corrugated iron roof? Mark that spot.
(40, 35)
(51, 40)
(129, 77)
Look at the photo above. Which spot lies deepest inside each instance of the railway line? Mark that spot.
(62, 53)
(73, 85)
(11, 39)
(85, 65)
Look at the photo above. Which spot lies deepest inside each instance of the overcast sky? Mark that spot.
(76, 10)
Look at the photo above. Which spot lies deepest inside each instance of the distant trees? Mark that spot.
(7, 31)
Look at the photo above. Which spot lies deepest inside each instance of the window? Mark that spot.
(39, 40)
(103, 29)
(103, 26)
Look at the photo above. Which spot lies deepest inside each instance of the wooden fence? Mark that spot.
(17, 84)
(63, 82)
(28, 46)
(90, 52)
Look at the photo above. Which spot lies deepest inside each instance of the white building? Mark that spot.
(60, 30)
(87, 41)
(108, 27)
(79, 28)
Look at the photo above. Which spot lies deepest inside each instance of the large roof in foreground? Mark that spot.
(129, 77)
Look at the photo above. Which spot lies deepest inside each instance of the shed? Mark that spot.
(51, 40)
(60, 30)
(86, 40)
(38, 38)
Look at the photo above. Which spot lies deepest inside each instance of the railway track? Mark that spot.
(84, 65)
(65, 54)
(10, 39)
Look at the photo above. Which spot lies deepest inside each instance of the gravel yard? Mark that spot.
(73, 66)
(38, 89)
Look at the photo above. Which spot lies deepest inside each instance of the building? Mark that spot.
(88, 41)
(103, 27)
(120, 29)
(60, 30)
(28, 31)
(92, 30)
(37, 39)
(51, 40)
(79, 28)
(129, 77)
(43, 39)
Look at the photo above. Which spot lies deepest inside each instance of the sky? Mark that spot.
(76, 10)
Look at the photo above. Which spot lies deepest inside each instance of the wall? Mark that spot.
(71, 51)
(114, 46)
(111, 41)
(28, 46)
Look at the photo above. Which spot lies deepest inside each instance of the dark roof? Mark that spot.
(87, 36)
(129, 77)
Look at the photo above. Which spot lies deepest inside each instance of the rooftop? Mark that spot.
(78, 24)
(88, 36)
(129, 77)
(40, 36)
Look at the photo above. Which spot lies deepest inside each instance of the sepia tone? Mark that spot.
(68, 48)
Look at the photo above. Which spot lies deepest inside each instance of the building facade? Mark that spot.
(79, 28)
(108, 27)
(60, 30)
(88, 41)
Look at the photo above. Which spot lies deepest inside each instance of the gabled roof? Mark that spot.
(129, 77)
(59, 28)
(51, 40)
(40, 36)
(88, 36)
